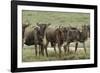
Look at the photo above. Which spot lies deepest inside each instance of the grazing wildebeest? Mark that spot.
(54, 36)
(75, 35)
(34, 36)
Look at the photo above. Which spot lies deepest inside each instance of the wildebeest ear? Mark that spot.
(37, 24)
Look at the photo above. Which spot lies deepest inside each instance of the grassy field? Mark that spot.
(29, 55)
(56, 19)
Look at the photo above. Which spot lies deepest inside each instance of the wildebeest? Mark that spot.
(34, 36)
(75, 35)
(24, 26)
(54, 36)
(85, 34)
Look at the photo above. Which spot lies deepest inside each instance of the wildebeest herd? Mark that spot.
(42, 34)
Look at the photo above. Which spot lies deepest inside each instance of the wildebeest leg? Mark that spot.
(84, 47)
(76, 45)
(46, 52)
(68, 47)
(55, 48)
(59, 47)
(39, 50)
(36, 50)
(46, 49)
(65, 48)
(42, 50)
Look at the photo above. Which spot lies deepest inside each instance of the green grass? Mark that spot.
(29, 55)
(56, 19)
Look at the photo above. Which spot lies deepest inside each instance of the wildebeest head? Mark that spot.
(61, 33)
(42, 28)
(86, 30)
(65, 31)
(25, 25)
(73, 34)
